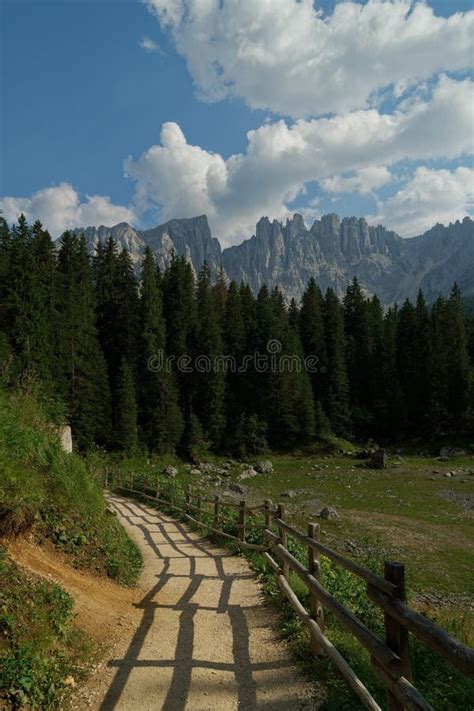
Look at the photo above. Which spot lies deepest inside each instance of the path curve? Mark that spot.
(203, 639)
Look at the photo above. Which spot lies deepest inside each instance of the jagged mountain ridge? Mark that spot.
(332, 251)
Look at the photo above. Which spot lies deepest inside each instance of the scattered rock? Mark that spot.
(195, 472)
(289, 494)
(448, 474)
(436, 471)
(70, 681)
(248, 473)
(328, 512)
(232, 486)
(170, 471)
(447, 452)
(207, 468)
(464, 500)
(264, 467)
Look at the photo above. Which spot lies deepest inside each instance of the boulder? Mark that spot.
(170, 471)
(264, 467)
(328, 512)
(248, 473)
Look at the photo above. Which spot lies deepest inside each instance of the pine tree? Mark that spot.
(438, 415)
(234, 346)
(457, 356)
(127, 309)
(161, 419)
(210, 384)
(311, 327)
(127, 437)
(393, 409)
(422, 384)
(337, 399)
(82, 373)
(406, 355)
(356, 325)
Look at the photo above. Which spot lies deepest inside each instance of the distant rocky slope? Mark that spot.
(332, 251)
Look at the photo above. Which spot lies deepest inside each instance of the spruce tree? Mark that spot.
(311, 327)
(234, 347)
(337, 398)
(210, 383)
(393, 406)
(126, 436)
(457, 356)
(82, 373)
(160, 417)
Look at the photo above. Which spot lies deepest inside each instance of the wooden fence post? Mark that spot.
(130, 481)
(268, 513)
(217, 507)
(199, 507)
(106, 478)
(187, 497)
(157, 493)
(314, 569)
(396, 635)
(242, 506)
(281, 513)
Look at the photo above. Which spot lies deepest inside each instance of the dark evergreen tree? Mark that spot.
(160, 418)
(82, 374)
(210, 384)
(337, 399)
(393, 406)
(127, 433)
(313, 339)
(234, 347)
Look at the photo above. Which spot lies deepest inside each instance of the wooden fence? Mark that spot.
(390, 655)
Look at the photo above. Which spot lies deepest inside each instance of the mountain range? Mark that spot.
(333, 251)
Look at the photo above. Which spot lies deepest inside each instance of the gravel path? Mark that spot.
(202, 637)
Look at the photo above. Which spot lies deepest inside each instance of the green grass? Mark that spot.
(39, 648)
(58, 497)
(396, 513)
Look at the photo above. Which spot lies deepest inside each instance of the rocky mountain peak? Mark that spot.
(333, 251)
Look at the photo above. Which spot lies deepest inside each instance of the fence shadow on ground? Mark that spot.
(237, 674)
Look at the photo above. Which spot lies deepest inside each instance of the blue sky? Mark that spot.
(80, 95)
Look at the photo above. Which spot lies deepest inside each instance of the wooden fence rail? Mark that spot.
(390, 656)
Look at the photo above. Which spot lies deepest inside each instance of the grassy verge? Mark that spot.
(41, 655)
(443, 686)
(56, 496)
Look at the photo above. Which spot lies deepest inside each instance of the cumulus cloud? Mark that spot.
(430, 196)
(290, 58)
(59, 208)
(150, 46)
(363, 181)
(177, 179)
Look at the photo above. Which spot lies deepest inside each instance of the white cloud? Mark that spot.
(59, 208)
(181, 180)
(285, 56)
(430, 196)
(150, 46)
(363, 181)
